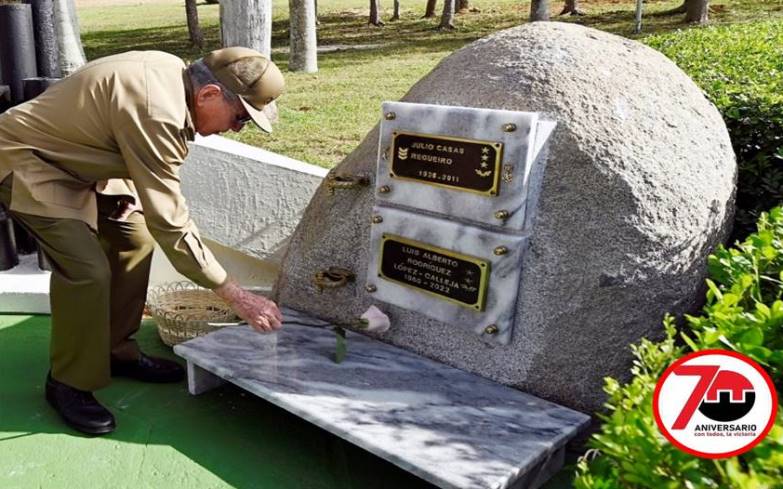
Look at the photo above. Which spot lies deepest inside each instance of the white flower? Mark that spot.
(375, 320)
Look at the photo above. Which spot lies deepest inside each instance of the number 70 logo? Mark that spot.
(715, 403)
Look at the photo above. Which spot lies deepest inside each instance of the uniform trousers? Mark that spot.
(98, 289)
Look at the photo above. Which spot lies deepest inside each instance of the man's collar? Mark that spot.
(190, 116)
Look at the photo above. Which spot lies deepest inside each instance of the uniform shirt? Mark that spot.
(120, 117)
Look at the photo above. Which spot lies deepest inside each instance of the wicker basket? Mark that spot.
(184, 310)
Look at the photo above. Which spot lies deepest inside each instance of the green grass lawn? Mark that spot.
(323, 116)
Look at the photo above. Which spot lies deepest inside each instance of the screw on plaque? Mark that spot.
(510, 127)
(371, 288)
(377, 219)
(491, 329)
(500, 250)
(385, 189)
(390, 116)
(502, 214)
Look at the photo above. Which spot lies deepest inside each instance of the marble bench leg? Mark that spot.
(200, 380)
(539, 475)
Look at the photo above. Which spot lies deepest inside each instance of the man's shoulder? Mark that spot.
(130, 70)
(146, 86)
(131, 60)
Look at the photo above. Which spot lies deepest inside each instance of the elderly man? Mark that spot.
(90, 168)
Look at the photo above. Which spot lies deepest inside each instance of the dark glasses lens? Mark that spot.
(244, 119)
(241, 115)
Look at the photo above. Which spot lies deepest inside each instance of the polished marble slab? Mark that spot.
(495, 321)
(519, 174)
(449, 427)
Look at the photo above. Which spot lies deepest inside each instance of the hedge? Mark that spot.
(740, 69)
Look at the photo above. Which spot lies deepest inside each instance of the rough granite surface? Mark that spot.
(638, 190)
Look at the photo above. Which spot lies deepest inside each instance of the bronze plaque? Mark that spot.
(463, 164)
(448, 275)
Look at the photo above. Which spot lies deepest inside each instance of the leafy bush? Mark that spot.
(744, 312)
(740, 69)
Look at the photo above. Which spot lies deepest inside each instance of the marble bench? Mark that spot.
(449, 427)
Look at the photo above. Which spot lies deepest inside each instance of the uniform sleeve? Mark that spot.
(153, 155)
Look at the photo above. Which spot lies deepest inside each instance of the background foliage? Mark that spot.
(740, 69)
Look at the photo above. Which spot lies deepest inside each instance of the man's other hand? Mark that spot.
(259, 312)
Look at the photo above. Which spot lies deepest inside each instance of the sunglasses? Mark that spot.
(243, 119)
(241, 116)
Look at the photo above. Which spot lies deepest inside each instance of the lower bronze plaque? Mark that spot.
(450, 276)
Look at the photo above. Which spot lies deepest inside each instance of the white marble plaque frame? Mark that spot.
(504, 277)
(521, 148)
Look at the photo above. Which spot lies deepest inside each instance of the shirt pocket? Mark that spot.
(65, 194)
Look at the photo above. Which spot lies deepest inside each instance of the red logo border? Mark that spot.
(702, 353)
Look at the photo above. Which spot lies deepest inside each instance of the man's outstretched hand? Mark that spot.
(259, 312)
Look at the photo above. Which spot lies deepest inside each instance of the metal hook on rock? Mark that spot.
(344, 182)
(333, 277)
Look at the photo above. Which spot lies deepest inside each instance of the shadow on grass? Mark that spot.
(350, 27)
(343, 28)
(243, 440)
(173, 40)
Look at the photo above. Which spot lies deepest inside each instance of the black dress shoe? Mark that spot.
(78, 408)
(149, 369)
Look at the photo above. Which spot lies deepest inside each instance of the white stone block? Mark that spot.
(244, 197)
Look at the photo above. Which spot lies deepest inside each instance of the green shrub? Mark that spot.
(744, 312)
(740, 69)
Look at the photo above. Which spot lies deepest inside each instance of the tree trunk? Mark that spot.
(571, 7)
(447, 18)
(196, 37)
(677, 10)
(69, 42)
(430, 10)
(304, 52)
(375, 13)
(539, 10)
(696, 11)
(396, 15)
(461, 6)
(247, 23)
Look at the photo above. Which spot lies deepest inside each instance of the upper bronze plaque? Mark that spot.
(463, 164)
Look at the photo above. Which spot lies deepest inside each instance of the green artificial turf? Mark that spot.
(165, 438)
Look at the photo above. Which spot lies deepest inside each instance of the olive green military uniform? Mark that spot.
(63, 156)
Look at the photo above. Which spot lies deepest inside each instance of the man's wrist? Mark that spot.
(229, 291)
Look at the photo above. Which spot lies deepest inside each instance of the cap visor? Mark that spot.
(258, 116)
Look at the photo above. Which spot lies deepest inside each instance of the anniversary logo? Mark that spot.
(461, 164)
(715, 403)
